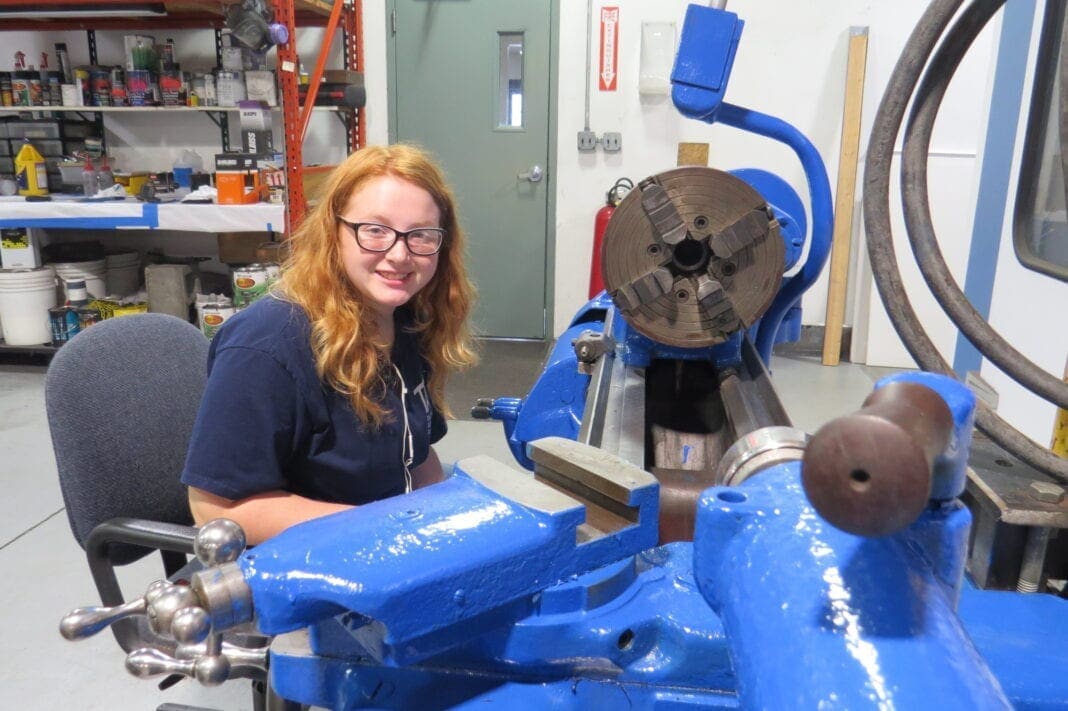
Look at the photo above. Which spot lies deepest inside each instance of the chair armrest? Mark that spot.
(153, 535)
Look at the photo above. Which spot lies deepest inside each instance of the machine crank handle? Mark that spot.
(870, 473)
(86, 621)
(217, 544)
(209, 670)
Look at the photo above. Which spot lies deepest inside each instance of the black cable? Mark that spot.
(918, 223)
(876, 203)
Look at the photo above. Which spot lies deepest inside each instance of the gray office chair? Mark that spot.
(121, 400)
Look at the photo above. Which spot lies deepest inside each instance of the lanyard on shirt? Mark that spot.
(407, 447)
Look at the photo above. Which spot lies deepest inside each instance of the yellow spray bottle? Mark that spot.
(31, 171)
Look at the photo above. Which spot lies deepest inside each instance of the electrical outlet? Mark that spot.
(612, 142)
(587, 141)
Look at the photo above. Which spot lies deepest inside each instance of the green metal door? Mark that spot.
(470, 82)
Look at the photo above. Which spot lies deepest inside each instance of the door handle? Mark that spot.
(534, 175)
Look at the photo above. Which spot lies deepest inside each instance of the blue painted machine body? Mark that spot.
(458, 596)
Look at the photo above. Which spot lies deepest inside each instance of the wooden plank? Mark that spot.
(848, 157)
(693, 154)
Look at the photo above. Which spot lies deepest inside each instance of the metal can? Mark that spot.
(274, 272)
(64, 323)
(100, 86)
(55, 82)
(139, 87)
(170, 88)
(36, 90)
(118, 87)
(250, 283)
(20, 89)
(87, 316)
(213, 316)
(6, 97)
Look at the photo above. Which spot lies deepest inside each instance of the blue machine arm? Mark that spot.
(702, 68)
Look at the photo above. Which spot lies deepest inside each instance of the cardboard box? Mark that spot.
(240, 247)
(20, 248)
(255, 141)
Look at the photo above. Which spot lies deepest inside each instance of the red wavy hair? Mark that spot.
(348, 354)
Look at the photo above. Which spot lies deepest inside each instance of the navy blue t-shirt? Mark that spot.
(267, 422)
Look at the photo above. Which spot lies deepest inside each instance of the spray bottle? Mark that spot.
(31, 171)
(89, 178)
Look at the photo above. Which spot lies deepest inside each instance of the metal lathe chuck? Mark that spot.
(691, 256)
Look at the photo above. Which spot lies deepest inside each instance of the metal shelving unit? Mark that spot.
(343, 15)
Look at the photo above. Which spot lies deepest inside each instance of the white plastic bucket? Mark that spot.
(123, 273)
(93, 273)
(25, 297)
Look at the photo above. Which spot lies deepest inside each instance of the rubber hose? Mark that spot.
(918, 223)
(876, 204)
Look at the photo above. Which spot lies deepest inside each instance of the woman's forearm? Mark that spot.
(261, 516)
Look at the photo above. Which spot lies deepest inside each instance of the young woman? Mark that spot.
(329, 392)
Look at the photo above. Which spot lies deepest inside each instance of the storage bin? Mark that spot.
(33, 129)
(48, 147)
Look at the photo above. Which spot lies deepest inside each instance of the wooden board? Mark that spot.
(693, 154)
(848, 156)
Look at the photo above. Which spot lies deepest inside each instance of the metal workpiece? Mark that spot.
(451, 561)
(692, 256)
(759, 450)
(869, 473)
(820, 618)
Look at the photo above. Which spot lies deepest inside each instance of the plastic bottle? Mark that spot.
(104, 177)
(77, 294)
(187, 163)
(31, 171)
(89, 185)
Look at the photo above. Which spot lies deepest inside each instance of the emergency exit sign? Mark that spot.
(609, 48)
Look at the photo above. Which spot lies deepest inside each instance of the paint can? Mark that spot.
(64, 323)
(36, 89)
(100, 86)
(118, 87)
(139, 87)
(250, 283)
(213, 316)
(6, 97)
(87, 316)
(20, 89)
(274, 273)
(170, 88)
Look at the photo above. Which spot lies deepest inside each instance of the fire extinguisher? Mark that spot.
(600, 224)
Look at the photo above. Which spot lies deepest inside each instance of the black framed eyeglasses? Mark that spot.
(422, 241)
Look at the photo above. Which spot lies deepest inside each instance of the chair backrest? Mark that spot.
(121, 399)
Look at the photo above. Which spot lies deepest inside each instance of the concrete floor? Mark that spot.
(47, 576)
